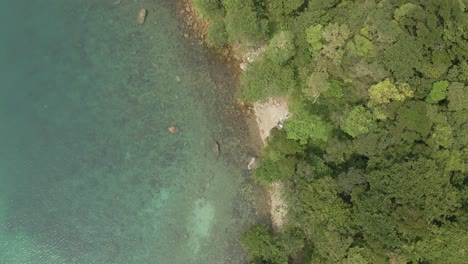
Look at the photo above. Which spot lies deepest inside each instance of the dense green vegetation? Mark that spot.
(374, 158)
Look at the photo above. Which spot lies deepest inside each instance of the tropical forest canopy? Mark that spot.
(374, 158)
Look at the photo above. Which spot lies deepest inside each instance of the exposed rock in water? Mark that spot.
(217, 149)
(253, 53)
(252, 164)
(172, 129)
(141, 16)
(243, 66)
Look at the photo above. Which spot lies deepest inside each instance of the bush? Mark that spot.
(262, 246)
(270, 171)
(216, 35)
(263, 79)
(209, 9)
(244, 23)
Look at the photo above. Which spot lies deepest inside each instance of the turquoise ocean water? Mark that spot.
(89, 173)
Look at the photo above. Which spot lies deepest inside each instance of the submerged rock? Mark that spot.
(217, 149)
(172, 129)
(141, 16)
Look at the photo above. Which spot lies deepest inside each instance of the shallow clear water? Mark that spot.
(89, 173)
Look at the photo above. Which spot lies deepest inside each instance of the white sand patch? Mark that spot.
(278, 207)
(269, 115)
(202, 222)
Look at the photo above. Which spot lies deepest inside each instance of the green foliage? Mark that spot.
(403, 57)
(264, 78)
(447, 245)
(278, 158)
(442, 136)
(279, 146)
(361, 46)
(417, 184)
(262, 245)
(359, 121)
(322, 5)
(214, 12)
(387, 29)
(359, 190)
(413, 116)
(336, 36)
(404, 10)
(210, 9)
(459, 73)
(457, 96)
(316, 84)
(319, 209)
(303, 126)
(216, 35)
(280, 11)
(355, 256)
(244, 22)
(281, 47)
(314, 37)
(384, 92)
(438, 92)
(270, 171)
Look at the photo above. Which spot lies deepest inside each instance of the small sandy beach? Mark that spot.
(268, 116)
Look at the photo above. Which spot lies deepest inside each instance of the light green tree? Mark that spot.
(405, 9)
(303, 126)
(361, 46)
(336, 36)
(438, 92)
(316, 84)
(359, 121)
(281, 47)
(314, 38)
(384, 92)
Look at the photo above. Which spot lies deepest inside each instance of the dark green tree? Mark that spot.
(244, 22)
(263, 246)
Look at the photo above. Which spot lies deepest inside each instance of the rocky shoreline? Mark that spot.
(195, 27)
(266, 115)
